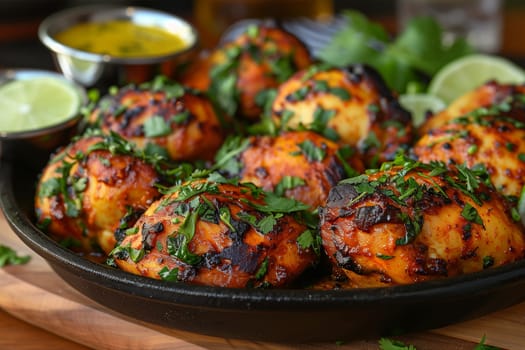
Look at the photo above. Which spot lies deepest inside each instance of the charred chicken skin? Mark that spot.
(164, 114)
(490, 137)
(352, 106)
(490, 94)
(412, 222)
(86, 189)
(219, 234)
(298, 164)
(235, 73)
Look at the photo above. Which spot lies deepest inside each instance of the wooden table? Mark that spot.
(59, 317)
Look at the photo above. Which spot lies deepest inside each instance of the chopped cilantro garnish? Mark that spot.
(488, 261)
(483, 346)
(267, 223)
(321, 117)
(223, 88)
(472, 150)
(263, 269)
(226, 157)
(136, 254)
(181, 117)
(277, 204)
(310, 239)
(342, 93)
(123, 252)
(299, 94)
(343, 154)
(471, 214)
(178, 245)
(413, 226)
(167, 274)
(288, 183)
(225, 216)
(9, 256)
(156, 126)
(187, 191)
(311, 151)
(384, 257)
(389, 344)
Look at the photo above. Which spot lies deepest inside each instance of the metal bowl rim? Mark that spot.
(58, 48)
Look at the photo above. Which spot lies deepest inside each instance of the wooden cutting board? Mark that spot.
(34, 293)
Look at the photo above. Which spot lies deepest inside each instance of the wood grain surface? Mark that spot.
(35, 294)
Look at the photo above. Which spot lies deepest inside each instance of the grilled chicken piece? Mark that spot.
(411, 222)
(481, 139)
(219, 234)
(299, 164)
(235, 73)
(164, 114)
(85, 190)
(487, 95)
(352, 105)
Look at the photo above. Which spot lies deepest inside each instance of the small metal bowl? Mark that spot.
(35, 144)
(102, 70)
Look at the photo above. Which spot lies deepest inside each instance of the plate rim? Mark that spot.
(219, 298)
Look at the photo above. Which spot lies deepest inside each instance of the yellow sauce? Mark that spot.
(121, 38)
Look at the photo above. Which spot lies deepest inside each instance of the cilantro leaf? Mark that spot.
(178, 245)
(156, 126)
(277, 204)
(8, 256)
(226, 158)
(359, 41)
(311, 151)
(288, 183)
(483, 346)
(266, 224)
(310, 239)
(263, 269)
(471, 214)
(389, 344)
(422, 45)
(418, 52)
(167, 274)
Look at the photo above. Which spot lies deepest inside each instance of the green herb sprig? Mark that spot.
(8, 256)
(404, 61)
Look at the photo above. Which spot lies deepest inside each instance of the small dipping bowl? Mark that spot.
(35, 144)
(103, 70)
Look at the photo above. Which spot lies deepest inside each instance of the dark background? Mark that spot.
(19, 19)
(25, 51)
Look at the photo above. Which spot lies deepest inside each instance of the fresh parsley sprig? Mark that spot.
(8, 256)
(417, 53)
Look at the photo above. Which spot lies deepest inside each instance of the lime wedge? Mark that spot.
(419, 105)
(469, 72)
(29, 104)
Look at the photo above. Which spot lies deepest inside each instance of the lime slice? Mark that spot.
(469, 72)
(34, 103)
(419, 105)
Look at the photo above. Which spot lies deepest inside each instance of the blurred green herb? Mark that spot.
(389, 344)
(483, 346)
(405, 61)
(8, 256)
